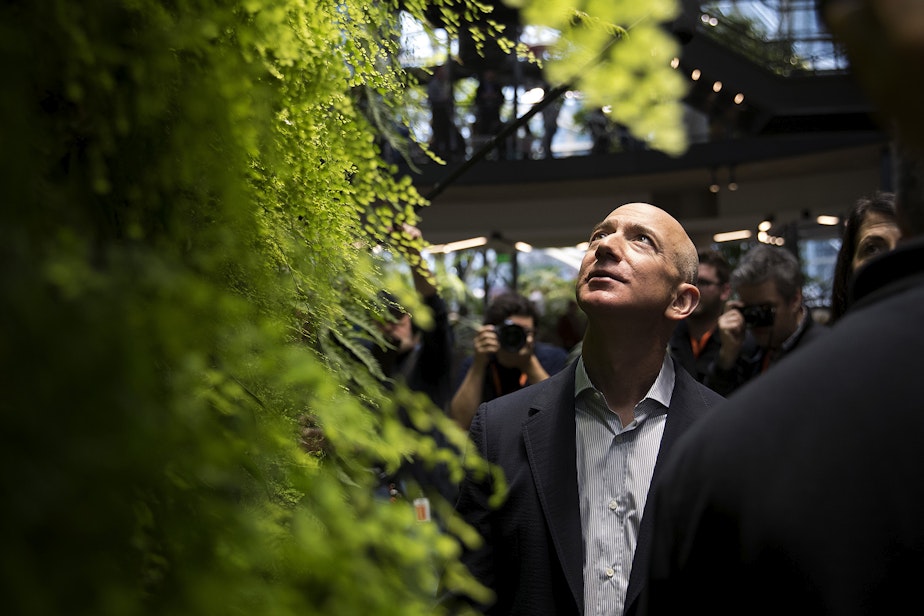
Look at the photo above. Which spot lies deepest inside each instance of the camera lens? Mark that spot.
(511, 336)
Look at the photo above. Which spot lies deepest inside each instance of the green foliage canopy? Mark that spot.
(191, 194)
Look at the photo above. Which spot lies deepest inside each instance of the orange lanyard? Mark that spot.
(699, 345)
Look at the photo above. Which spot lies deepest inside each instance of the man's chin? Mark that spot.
(599, 300)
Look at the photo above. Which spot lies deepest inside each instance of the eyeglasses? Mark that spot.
(707, 283)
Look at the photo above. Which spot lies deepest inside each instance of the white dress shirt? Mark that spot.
(614, 468)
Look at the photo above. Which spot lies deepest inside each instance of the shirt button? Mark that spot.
(610, 572)
(613, 505)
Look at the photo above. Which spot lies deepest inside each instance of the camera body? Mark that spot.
(760, 315)
(511, 336)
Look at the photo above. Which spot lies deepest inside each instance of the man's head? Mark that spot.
(640, 261)
(712, 282)
(768, 282)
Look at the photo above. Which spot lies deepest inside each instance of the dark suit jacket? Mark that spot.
(533, 552)
(804, 492)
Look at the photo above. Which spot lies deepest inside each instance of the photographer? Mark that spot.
(507, 357)
(765, 323)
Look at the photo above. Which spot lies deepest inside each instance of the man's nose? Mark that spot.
(610, 247)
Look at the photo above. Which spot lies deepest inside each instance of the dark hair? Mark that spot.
(763, 263)
(715, 259)
(509, 304)
(879, 202)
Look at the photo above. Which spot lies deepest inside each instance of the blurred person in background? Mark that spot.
(870, 230)
(765, 323)
(696, 341)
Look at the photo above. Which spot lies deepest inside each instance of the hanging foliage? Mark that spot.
(618, 54)
(192, 203)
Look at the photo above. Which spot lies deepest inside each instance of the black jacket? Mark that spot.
(804, 492)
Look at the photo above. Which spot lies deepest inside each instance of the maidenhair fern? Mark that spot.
(192, 202)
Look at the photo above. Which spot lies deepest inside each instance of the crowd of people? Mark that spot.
(668, 332)
(709, 447)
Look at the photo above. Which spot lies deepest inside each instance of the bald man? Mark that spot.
(579, 450)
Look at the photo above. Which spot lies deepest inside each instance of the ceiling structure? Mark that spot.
(801, 144)
(554, 203)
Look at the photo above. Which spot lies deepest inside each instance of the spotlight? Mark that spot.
(730, 236)
(523, 247)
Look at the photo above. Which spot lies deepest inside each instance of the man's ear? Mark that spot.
(684, 303)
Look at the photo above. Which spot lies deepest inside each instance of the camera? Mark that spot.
(760, 315)
(511, 336)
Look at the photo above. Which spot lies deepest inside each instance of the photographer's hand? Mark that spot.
(465, 402)
(731, 334)
(485, 345)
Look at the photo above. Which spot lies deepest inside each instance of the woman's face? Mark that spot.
(878, 234)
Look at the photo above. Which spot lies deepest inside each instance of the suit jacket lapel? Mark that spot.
(549, 435)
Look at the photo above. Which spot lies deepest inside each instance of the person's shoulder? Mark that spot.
(549, 350)
(552, 357)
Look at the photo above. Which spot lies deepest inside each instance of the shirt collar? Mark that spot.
(661, 390)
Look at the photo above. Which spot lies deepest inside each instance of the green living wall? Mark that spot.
(190, 195)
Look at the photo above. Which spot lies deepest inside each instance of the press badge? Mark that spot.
(422, 509)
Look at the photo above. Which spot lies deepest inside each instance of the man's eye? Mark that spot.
(645, 239)
(598, 235)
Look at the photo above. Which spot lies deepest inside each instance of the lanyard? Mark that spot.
(699, 345)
